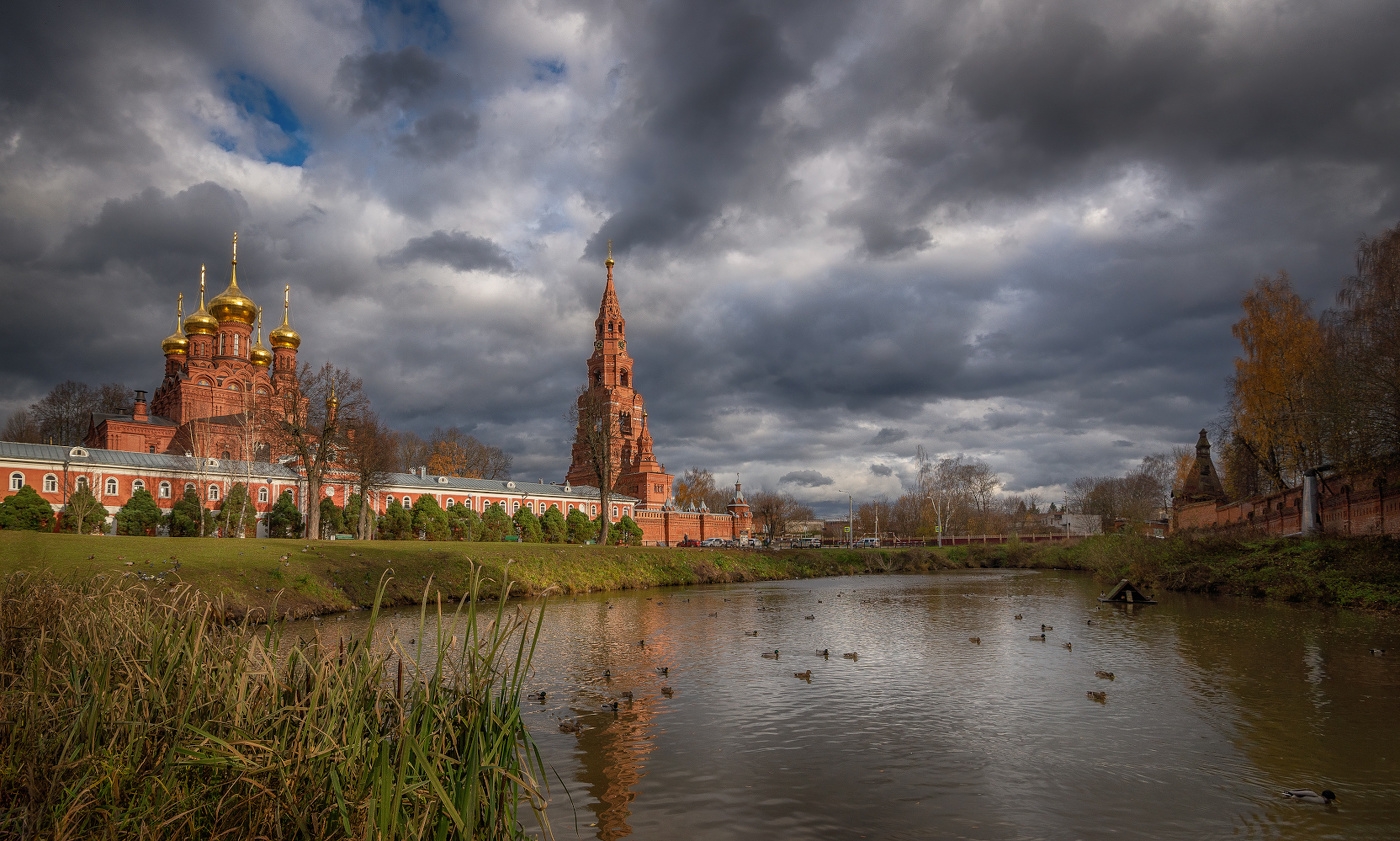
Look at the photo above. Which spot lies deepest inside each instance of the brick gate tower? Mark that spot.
(610, 384)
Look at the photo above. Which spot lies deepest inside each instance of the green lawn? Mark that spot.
(318, 577)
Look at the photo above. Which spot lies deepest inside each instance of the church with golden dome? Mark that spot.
(219, 377)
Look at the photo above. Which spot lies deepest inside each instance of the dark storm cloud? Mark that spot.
(402, 77)
(1016, 230)
(440, 136)
(152, 229)
(457, 250)
(806, 478)
(706, 78)
(889, 435)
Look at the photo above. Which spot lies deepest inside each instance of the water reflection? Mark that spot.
(1215, 707)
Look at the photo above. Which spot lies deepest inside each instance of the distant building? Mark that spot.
(1073, 524)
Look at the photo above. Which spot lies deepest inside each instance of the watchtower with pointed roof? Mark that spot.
(610, 384)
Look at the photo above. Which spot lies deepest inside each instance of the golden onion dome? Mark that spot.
(232, 304)
(284, 336)
(176, 342)
(260, 355)
(200, 322)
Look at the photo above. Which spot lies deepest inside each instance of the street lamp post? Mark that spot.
(850, 519)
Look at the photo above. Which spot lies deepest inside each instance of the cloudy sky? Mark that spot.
(1016, 230)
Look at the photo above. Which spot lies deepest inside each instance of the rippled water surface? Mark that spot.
(1216, 706)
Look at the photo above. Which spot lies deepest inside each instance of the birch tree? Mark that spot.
(599, 434)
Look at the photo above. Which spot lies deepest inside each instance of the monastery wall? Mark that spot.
(1366, 504)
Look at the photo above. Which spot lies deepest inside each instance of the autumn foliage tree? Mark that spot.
(451, 452)
(1276, 392)
(697, 486)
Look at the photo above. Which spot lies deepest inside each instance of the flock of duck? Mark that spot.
(1301, 795)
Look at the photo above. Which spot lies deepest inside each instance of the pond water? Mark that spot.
(1215, 707)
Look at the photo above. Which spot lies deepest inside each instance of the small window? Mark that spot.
(554, 505)
(189, 486)
(624, 379)
(111, 487)
(224, 455)
(450, 502)
(595, 510)
(50, 484)
(407, 503)
(164, 490)
(213, 493)
(151, 449)
(571, 508)
(16, 481)
(531, 506)
(138, 485)
(81, 482)
(262, 494)
(517, 505)
(614, 512)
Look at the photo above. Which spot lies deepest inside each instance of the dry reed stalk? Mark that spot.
(126, 712)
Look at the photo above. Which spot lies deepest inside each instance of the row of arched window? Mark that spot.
(111, 487)
(451, 501)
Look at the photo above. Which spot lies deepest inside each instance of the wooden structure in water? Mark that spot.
(1126, 593)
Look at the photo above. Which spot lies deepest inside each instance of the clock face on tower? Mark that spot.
(598, 344)
(622, 345)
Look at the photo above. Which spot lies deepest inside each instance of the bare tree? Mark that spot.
(601, 439)
(773, 511)
(65, 413)
(199, 440)
(21, 427)
(311, 427)
(371, 453)
(412, 451)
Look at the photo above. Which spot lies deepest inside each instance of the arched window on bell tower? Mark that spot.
(624, 380)
(597, 377)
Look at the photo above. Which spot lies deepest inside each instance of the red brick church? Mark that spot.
(217, 376)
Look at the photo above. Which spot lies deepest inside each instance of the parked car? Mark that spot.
(869, 542)
(689, 543)
(714, 541)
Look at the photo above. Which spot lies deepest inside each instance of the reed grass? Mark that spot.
(131, 713)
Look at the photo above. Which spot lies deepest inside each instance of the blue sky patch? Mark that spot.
(279, 133)
(402, 23)
(548, 69)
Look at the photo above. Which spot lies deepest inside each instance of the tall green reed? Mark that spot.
(129, 713)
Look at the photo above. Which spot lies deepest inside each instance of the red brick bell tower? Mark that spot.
(610, 384)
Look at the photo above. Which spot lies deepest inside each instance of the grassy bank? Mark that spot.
(1344, 572)
(124, 714)
(302, 579)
